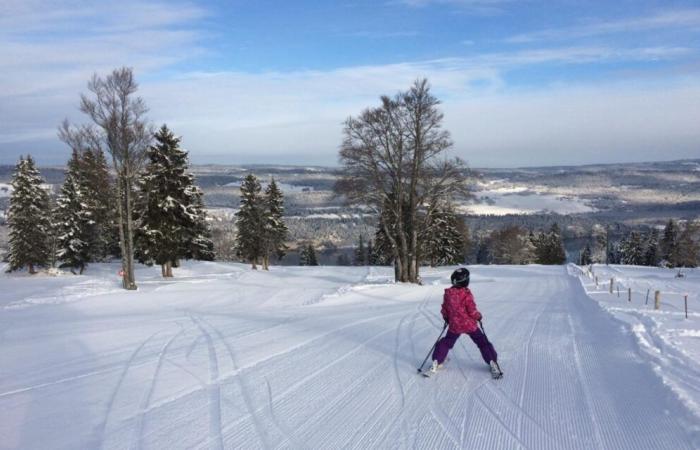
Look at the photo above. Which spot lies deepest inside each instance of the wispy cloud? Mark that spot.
(675, 19)
(48, 50)
(474, 6)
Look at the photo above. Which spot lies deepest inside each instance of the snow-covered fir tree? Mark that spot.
(360, 254)
(75, 225)
(511, 245)
(308, 257)
(651, 248)
(371, 257)
(669, 244)
(632, 249)
(249, 222)
(614, 255)
(383, 251)
(688, 246)
(28, 218)
(99, 189)
(585, 257)
(275, 230)
(169, 209)
(549, 248)
(198, 240)
(442, 240)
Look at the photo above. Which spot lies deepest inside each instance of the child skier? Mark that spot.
(460, 313)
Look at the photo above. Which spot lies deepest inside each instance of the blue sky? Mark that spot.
(522, 82)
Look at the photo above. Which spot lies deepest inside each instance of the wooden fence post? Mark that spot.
(618, 290)
(647, 300)
(686, 305)
(612, 280)
(629, 294)
(596, 282)
(657, 299)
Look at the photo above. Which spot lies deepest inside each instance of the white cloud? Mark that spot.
(674, 19)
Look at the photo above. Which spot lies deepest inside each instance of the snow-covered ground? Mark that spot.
(302, 357)
(669, 340)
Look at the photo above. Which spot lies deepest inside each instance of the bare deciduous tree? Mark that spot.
(120, 116)
(394, 161)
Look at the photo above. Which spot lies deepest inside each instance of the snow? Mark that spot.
(665, 336)
(324, 357)
(497, 198)
(5, 190)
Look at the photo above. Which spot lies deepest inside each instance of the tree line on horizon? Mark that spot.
(678, 246)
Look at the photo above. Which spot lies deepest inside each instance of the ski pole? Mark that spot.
(444, 327)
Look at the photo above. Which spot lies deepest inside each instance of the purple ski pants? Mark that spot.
(445, 344)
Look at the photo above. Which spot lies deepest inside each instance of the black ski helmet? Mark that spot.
(460, 277)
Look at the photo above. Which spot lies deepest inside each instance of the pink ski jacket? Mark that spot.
(459, 310)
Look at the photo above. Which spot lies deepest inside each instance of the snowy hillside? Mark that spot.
(302, 357)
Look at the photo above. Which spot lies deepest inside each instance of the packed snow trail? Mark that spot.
(225, 357)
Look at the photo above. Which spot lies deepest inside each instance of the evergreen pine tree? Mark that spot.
(669, 244)
(651, 248)
(585, 258)
(360, 257)
(549, 248)
(249, 221)
(169, 208)
(198, 240)
(308, 256)
(275, 230)
(313, 259)
(614, 255)
(442, 241)
(688, 246)
(74, 219)
(99, 193)
(632, 249)
(28, 218)
(383, 251)
(371, 257)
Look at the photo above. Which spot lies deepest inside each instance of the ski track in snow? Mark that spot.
(313, 358)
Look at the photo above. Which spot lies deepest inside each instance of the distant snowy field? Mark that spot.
(325, 357)
(500, 198)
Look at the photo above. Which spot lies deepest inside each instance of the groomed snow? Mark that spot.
(225, 357)
(669, 340)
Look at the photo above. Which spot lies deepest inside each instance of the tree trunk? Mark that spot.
(122, 240)
(31, 268)
(169, 269)
(266, 262)
(163, 273)
(414, 266)
(254, 262)
(129, 236)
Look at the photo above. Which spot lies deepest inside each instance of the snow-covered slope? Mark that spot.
(224, 357)
(669, 340)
